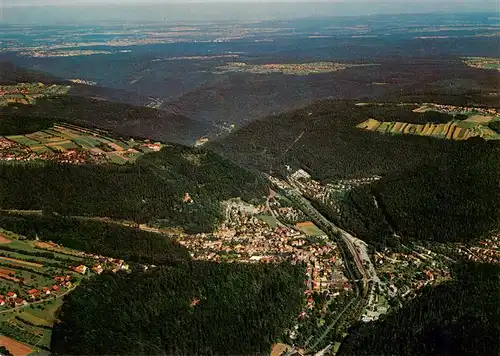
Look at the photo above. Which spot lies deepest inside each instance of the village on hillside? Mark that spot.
(34, 277)
(27, 93)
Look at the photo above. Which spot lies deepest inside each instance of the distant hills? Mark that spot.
(242, 97)
(111, 109)
(12, 74)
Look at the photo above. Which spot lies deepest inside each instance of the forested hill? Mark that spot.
(455, 318)
(195, 308)
(151, 190)
(323, 139)
(13, 74)
(122, 119)
(432, 189)
(451, 200)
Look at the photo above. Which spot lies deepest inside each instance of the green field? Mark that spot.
(311, 230)
(269, 220)
(23, 140)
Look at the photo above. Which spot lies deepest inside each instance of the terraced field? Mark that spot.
(475, 126)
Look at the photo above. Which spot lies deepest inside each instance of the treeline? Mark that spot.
(152, 190)
(455, 318)
(195, 308)
(15, 124)
(97, 237)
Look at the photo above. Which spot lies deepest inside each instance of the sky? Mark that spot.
(84, 11)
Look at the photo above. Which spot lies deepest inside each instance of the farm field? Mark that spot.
(474, 126)
(483, 62)
(73, 144)
(15, 347)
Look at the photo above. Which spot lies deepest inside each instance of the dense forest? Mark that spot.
(195, 308)
(495, 125)
(98, 237)
(152, 190)
(455, 318)
(323, 139)
(457, 199)
(20, 125)
(453, 200)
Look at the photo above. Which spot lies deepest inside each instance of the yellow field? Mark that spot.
(370, 124)
(422, 109)
(457, 132)
(397, 127)
(479, 119)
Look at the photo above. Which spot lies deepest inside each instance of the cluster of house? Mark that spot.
(326, 193)
(102, 262)
(12, 151)
(108, 263)
(12, 300)
(285, 213)
(487, 251)
(411, 271)
(449, 109)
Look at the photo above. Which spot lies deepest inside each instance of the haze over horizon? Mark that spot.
(83, 11)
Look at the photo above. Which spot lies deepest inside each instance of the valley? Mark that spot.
(321, 185)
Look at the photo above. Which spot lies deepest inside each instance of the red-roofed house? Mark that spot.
(2, 302)
(33, 291)
(11, 295)
(55, 287)
(20, 301)
(81, 269)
